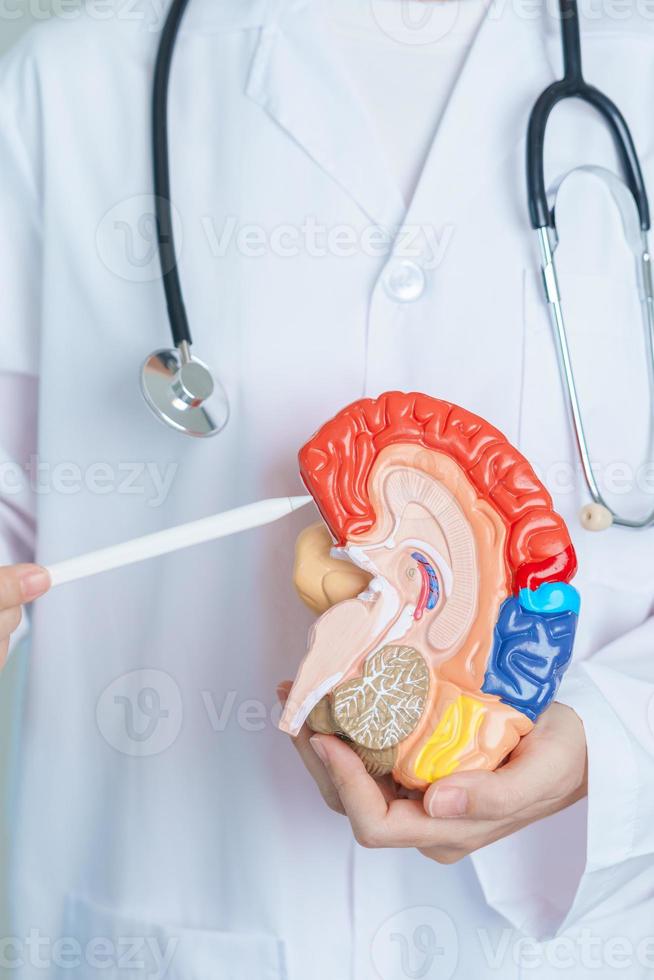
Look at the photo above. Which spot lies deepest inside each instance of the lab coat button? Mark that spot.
(404, 281)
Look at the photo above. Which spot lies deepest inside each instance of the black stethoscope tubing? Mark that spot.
(177, 316)
(184, 393)
(573, 85)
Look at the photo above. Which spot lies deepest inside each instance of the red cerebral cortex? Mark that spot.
(336, 463)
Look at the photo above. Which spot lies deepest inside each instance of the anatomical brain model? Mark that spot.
(464, 621)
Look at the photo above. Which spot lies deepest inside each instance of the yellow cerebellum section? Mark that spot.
(456, 730)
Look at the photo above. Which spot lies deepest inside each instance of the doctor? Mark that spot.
(349, 198)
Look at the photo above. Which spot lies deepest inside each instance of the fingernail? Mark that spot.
(448, 801)
(319, 749)
(34, 584)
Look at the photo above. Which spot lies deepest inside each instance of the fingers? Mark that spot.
(317, 769)
(544, 774)
(311, 760)
(22, 583)
(378, 819)
(362, 799)
(10, 620)
(18, 584)
(480, 795)
(460, 813)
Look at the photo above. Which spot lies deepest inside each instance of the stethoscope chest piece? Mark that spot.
(182, 392)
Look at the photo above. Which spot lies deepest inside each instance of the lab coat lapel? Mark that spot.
(486, 116)
(468, 227)
(298, 79)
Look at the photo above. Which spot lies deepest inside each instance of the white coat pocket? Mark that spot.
(107, 944)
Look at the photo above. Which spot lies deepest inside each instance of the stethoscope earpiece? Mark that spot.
(595, 517)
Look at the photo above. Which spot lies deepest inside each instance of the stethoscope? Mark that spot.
(179, 388)
(183, 392)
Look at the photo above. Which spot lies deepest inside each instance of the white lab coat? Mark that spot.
(157, 814)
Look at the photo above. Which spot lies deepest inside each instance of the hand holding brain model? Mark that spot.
(464, 619)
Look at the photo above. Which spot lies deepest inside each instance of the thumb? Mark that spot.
(523, 782)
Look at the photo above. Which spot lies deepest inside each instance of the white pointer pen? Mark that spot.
(183, 536)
